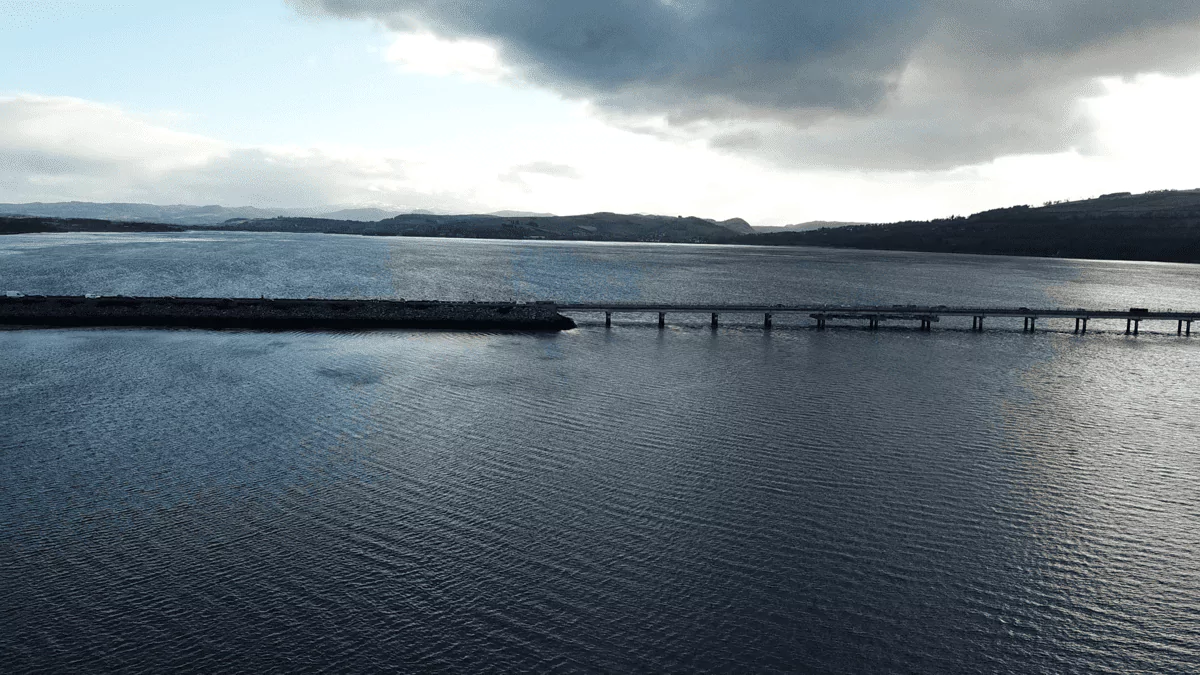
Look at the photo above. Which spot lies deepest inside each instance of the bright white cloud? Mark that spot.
(1148, 116)
(58, 149)
(428, 54)
(88, 132)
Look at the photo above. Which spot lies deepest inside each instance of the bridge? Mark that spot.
(874, 315)
(17, 309)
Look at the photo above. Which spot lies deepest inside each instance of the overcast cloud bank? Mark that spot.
(889, 84)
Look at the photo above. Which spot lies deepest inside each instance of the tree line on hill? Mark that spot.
(1167, 236)
(1162, 225)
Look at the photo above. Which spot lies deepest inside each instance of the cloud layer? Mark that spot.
(893, 84)
(59, 148)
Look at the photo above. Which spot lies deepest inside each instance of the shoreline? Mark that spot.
(177, 230)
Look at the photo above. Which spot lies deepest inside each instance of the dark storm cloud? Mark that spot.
(891, 83)
(742, 51)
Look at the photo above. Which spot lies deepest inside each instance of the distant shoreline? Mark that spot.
(1016, 232)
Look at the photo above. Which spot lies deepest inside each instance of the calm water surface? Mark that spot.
(597, 500)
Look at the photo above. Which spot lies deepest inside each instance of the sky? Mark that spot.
(776, 111)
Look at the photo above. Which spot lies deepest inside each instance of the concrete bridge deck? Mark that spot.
(875, 314)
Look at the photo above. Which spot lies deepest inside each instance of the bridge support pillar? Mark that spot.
(1025, 328)
(1083, 330)
(714, 320)
(767, 320)
(662, 319)
(1136, 323)
(1188, 331)
(1180, 331)
(1128, 326)
(608, 319)
(1077, 325)
(874, 325)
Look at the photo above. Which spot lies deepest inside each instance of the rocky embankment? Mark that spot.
(278, 314)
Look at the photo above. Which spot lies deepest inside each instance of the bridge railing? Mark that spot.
(874, 315)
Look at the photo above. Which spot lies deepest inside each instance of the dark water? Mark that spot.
(624, 500)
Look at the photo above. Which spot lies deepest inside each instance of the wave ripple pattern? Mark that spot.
(598, 501)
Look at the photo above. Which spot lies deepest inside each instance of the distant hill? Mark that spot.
(801, 227)
(520, 214)
(734, 225)
(1154, 203)
(184, 214)
(589, 227)
(367, 214)
(1162, 225)
(138, 213)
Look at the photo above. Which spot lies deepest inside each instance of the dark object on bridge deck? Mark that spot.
(1136, 322)
(278, 314)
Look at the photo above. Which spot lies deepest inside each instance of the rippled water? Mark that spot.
(598, 500)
